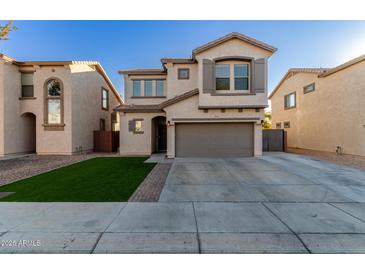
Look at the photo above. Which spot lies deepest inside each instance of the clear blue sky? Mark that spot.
(140, 44)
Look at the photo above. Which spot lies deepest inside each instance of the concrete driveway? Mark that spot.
(276, 177)
(280, 203)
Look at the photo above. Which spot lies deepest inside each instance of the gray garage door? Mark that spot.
(214, 139)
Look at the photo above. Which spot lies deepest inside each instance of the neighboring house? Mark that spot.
(53, 107)
(322, 109)
(210, 105)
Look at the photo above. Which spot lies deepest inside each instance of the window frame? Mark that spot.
(278, 125)
(144, 87)
(286, 124)
(114, 121)
(232, 63)
(135, 131)
(102, 124)
(295, 100)
(183, 78)
(140, 87)
(241, 77)
(229, 76)
(309, 85)
(47, 125)
(163, 87)
(22, 85)
(102, 98)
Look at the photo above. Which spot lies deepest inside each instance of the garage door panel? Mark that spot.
(214, 139)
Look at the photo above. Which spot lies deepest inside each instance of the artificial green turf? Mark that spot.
(104, 179)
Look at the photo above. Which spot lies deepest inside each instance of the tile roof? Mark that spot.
(143, 72)
(157, 107)
(343, 66)
(97, 65)
(234, 35)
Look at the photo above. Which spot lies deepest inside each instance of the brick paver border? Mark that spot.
(150, 189)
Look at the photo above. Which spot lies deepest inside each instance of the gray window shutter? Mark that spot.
(208, 76)
(131, 125)
(259, 76)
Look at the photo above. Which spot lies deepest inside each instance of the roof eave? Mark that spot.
(292, 70)
(178, 60)
(161, 106)
(343, 66)
(233, 35)
(142, 72)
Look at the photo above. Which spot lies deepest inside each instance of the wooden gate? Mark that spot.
(106, 141)
(273, 140)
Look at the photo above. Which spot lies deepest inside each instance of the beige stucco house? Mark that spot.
(322, 109)
(211, 104)
(53, 107)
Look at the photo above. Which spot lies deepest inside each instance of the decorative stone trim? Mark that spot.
(27, 98)
(50, 127)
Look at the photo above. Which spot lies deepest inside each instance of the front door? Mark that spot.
(161, 137)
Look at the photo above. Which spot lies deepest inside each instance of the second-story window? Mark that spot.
(136, 87)
(27, 85)
(241, 80)
(232, 76)
(290, 100)
(183, 74)
(53, 102)
(104, 99)
(148, 88)
(309, 88)
(222, 77)
(160, 87)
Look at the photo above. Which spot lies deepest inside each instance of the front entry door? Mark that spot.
(161, 137)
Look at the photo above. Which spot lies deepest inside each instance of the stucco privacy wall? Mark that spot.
(333, 115)
(86, 106)
(234, 47)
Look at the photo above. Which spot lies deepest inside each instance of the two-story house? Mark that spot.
(209, 105)
(323, 109)
(53, 107)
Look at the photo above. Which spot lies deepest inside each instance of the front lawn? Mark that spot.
(104, 179)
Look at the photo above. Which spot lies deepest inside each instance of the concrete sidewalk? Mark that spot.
(185, 227)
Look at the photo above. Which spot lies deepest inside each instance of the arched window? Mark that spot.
(53, 115)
